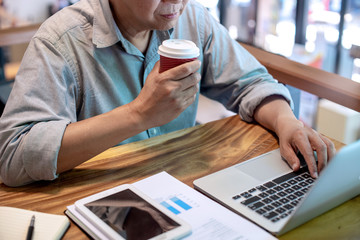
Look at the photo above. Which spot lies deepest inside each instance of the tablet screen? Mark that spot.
(131, 216)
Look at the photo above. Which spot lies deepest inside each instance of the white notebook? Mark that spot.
(14, 223)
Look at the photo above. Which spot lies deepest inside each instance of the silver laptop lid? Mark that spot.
(337, 183)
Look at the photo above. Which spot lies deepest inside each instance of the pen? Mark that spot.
(31, 228)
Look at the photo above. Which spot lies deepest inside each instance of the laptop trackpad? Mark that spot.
(265, 167)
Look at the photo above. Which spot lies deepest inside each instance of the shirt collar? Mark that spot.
(106, 33)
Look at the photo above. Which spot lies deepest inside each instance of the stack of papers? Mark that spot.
(208, 219)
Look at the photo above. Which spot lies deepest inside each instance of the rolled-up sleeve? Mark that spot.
(232, 76)
(34, 119)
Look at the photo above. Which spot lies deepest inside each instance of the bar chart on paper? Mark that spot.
(178, 203)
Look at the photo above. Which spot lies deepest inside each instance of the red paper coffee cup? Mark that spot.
(174, 52)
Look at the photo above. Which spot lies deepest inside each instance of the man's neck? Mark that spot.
(139, 38)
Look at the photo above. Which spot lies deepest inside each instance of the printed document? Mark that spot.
(208, 219)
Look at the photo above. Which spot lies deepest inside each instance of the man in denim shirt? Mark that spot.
(90, 80)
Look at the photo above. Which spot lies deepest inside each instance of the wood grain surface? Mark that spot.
(187, 155)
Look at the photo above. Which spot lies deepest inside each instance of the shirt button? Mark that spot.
(153, 131)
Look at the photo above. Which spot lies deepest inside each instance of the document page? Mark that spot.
(208, 219)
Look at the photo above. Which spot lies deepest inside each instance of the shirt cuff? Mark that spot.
(252, 101)
(41, 149)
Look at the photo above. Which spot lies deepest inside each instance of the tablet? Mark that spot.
(124, 212)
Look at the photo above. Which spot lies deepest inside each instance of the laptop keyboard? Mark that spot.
(276, 199)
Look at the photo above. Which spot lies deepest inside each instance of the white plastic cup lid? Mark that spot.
(179, 48)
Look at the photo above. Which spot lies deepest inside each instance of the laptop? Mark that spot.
(265, 190)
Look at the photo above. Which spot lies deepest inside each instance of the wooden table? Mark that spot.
(187, 154)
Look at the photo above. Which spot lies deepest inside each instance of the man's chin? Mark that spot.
(166, 27)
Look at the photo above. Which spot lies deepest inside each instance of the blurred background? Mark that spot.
(321, 33)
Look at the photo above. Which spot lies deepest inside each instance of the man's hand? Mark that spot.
(162, 99)
(275, 114)
(166, 95)
(294, 136)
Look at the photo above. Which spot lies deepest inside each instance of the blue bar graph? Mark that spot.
(171, 208)
(175, 205)
(180, 203)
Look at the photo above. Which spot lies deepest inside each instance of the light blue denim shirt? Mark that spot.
(78, 65)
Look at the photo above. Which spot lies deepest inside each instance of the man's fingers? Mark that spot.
(157, 66)
(312, 146)
(191, 92)
(308, 154)
(294, 162)
(331, 150)
(322, 156)
(323, 147)
(289, 155)
(191, 81)
(183, 70)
